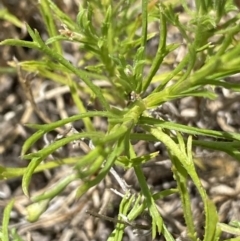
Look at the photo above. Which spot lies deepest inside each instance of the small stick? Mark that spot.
(115, 220)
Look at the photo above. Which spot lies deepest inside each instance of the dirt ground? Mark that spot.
(66, 219)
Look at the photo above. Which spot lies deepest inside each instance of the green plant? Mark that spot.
(120, 57)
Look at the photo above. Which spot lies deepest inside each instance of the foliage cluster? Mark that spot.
(108, 33)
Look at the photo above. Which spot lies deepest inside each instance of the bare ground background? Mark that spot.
(66, 218)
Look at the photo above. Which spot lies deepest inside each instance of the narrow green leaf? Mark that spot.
(7, 173)
(32, 33)
(165, 193)
(198, 93)
(128, 163)
(117, 150)
(35, 210)
(5, 222)
(117, 234)
(211, 218)
(79, 104)
(15, 236)
(49, 23)
(92, 168)
(156, 218)
(81, 74)
(4, 14)
(88, 158)
(31, 140)
(43, 153)
(232, 239)
(56, 189)
(167, 235)
(189, 129)
(181, 175)
(161, 51)
(61, 16)
(21, 43)
(137, 209)
(56, 38)
(28, 174)
(54, 125)
(141, 57)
